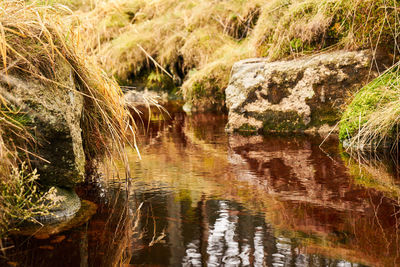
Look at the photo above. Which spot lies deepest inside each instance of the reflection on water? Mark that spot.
(208, 199)
(275, 201)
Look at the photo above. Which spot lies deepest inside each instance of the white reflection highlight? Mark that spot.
(222, 235)
(259, 247)
(193, 256)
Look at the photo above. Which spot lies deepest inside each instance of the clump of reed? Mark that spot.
(372, 119)
(198, 41)
(34, 41)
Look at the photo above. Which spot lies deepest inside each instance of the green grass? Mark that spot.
(209, 37)
(159, 81)
(373, 114)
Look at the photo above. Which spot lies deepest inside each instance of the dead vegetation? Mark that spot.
(194, 43)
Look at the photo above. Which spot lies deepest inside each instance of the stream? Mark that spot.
(200, 197)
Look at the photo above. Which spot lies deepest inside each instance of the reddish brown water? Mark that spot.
(209, 199)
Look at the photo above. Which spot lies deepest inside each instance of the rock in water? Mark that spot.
(296, 95)
(68, 205)
(54, 111)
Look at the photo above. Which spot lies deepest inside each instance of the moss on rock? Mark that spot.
(247, 129)
(185, 35)
(58, 109)
(279, 121)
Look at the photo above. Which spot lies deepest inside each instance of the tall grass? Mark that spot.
(34, 43)
(198, 41)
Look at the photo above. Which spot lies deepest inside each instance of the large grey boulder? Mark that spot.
(54, 111)
(296, 95)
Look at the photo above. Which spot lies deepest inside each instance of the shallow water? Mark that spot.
(200, 197)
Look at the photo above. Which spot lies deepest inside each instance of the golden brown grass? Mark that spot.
(197, 42)
(182, 36)
(33, 40)
(200, 40)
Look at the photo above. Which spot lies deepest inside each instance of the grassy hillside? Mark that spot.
(196, 42)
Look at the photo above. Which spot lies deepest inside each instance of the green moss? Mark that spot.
(207, 89)
(276, 29)
(379, 92)
(279, 121)
(323, 116)
(21, 118)
(158, 81)
(247, 129)
(15, 116)
(291, 121)
(198, 90)
(296, 44)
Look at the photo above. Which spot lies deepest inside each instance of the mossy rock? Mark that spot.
(247, 130)
(294, 96)
(279, 121)
(52, 113)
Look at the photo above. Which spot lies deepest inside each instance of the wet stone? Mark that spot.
(68, 206)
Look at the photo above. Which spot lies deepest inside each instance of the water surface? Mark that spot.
(200, 197)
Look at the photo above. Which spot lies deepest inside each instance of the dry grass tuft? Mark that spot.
(34, 41)
(197, 42)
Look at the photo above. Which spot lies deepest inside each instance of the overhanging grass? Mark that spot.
(37, 46)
